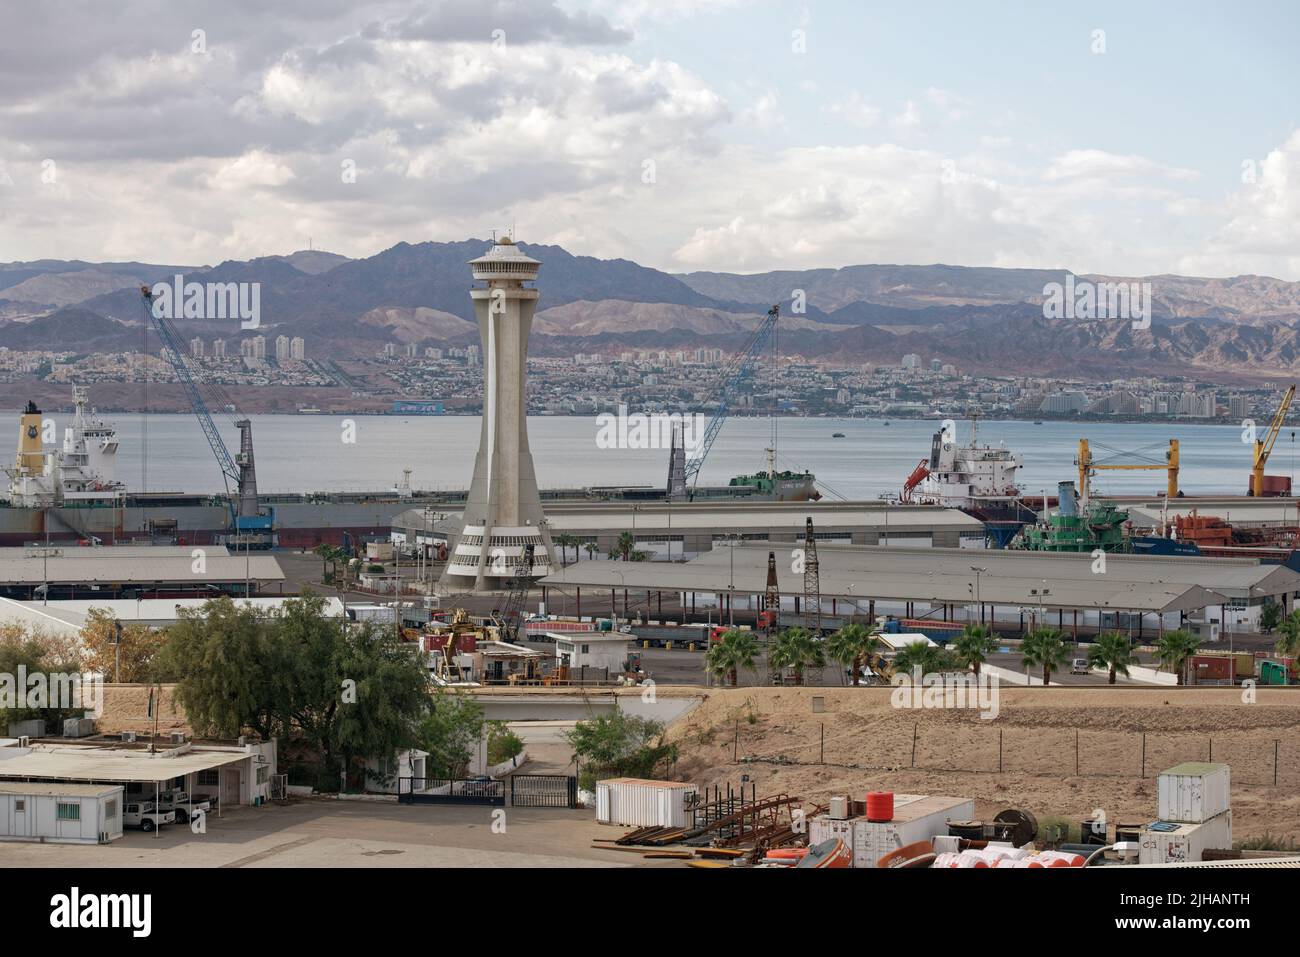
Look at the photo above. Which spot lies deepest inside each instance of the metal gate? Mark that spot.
(543, 790)
(443, 791)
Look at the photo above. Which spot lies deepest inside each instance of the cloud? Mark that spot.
(1099, 164)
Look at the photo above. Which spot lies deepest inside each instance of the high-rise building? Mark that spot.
(911, 361)
(297, 348)
(218, 348)
(503, 513)
(196, 347)
(282, 348)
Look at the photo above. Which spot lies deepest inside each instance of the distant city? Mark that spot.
(410, 379)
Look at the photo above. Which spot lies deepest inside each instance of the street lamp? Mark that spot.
(979, 570)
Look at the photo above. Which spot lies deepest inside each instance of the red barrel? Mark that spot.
(880, 806)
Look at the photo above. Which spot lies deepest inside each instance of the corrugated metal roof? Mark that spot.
(945, 575)
(103, 764)
(58, 789)
(132, 565)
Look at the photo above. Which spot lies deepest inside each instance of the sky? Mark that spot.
(731, 135)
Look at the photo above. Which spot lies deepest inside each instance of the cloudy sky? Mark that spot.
(735, 135)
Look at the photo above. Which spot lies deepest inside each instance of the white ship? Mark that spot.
(965, 476)
(83, 470)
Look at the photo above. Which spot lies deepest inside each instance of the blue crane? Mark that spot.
(253, 527)
(737, 370)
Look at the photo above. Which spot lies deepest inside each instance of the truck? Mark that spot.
(145, 815)
(181, 804)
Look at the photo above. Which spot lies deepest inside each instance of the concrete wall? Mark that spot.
(126, 708)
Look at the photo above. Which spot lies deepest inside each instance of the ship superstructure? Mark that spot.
(82, 470)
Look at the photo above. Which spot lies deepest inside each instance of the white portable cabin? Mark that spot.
(55, 813)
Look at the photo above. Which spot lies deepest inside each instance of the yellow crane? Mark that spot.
(1265, 445)
(1089, 467)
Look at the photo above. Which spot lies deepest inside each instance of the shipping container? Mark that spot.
(633, 802)
(823, 828)
(1193, 792)
(1185, 842)
(917, 817)
(1210, 669)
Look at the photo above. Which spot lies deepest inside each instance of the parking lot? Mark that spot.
(322, 832)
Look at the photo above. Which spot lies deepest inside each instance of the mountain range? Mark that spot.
(982, 319)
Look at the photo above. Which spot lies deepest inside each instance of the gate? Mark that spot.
(543, 790)
(444, 791)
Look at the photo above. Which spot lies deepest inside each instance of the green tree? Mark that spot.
(623, 547)
(619, 745)
(729, 653)
(1174, 648)
(565, 542)
(23, 701)
(502, 743)
(796, 649)
(591, 549)
(1288, 642)
(1114, 652)
(853, 645)
(450, 731)
(974, 645)
(1270, 616)
(329, 559)
(1045, 648)
(929, 658)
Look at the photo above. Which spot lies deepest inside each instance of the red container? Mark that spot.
(1207, 668)
(880, 806)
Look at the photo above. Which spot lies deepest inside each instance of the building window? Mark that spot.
(110, 810)
(69, 812)
(263, 774)
(20, 804)
(209, 778)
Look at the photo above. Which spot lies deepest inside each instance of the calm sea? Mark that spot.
(308, 452)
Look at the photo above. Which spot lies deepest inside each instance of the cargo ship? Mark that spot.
(69, 492)
(978, 479)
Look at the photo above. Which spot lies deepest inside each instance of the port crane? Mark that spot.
(736, 371)
(1088, 466)
(1264, 447)
(251, 526)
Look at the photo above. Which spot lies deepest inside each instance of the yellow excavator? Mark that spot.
(1270, 485)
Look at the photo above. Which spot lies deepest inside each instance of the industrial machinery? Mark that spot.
(736, 371)
(812, 584)
(769, 617)
(518, 595)
(1270, 485)
(1088, 466)
(251, 527)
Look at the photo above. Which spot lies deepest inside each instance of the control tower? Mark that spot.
(503, 513)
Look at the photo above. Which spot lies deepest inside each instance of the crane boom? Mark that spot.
(1264, 446)
(171, 340)
(732, 376)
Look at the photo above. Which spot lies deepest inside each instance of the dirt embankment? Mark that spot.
(1058, 752)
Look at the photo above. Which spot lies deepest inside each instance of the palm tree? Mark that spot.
(623, 546)
(920, 654)
(591, 549)
(329, 557)
(1044, 647)
(733, 651)
(565, 542)
(1174, 648)
(796, 649)
(974, 645)
(1114, 652)
(853, 645)
(1289, 628)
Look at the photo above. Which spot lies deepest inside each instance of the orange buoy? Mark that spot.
(832, 853)
(787, 853)
(880, 806)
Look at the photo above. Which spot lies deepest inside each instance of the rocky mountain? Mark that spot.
(979, 318)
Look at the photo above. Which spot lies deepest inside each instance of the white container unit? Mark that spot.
(917, 817)
(1186, 842)
(1193, 792)
(53, 813)
(633, 802)
(823, 827)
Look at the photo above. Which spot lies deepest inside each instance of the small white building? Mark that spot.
(60, 813)
(595, 650)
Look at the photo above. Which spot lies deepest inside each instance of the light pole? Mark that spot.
(979, 570)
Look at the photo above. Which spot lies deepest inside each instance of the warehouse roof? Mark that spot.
(135, 565)
(110, 764)
(1237, 511)
(946, 575)
(145, 610)
(688, 516)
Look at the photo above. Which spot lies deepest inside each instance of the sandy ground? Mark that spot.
(869, 744)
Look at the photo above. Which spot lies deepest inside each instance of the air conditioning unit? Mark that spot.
(128, 737)
(24, 741)
(178, 737)
(243, 741)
